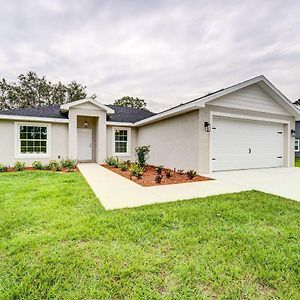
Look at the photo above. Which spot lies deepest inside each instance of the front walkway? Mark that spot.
(115, 191)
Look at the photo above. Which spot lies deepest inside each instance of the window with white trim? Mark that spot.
(32, 139)
(121, 141)
(297, 145)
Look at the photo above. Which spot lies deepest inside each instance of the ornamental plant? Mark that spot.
(191, 174)
(19, 166)
(142, 155)
(3, 168)
(159, 169)
(112, 162)
(54, 165)
(69, 164)
(168, 173)
(136, 170)
(37, 165)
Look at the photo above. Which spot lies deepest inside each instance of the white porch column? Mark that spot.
(101, 138)
(72, 134)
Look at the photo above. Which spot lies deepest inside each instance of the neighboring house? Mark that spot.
(248, 125)
(297, 139)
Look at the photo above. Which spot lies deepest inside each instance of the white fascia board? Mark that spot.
(67, 106)
(35, 119)
(120, 124)
(168, 114)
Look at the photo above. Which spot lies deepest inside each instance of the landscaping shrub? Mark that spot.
(19, 166)
(142, 154)
(54, 165)
(37, 165)
(158, 178)
(180, 172)
(112, 162)
(3, 168)
(68, 163)
(191, 174)
(159, 169)
(168, 173)
(123, 166)
(136, 170)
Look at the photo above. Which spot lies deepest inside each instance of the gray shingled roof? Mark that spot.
(122, 114)
(43, 112)
(128, 114)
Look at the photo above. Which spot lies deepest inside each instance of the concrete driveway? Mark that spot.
(115, 191)
(283, 182)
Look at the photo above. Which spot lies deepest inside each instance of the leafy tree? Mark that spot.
(127, 101)
(33, 91)
(297, 102)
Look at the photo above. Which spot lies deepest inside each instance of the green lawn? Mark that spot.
(57, 242)
(297, 162)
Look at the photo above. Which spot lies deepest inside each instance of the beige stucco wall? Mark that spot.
(59, 143)
(110, 143)
(174, 142)
(181, 142)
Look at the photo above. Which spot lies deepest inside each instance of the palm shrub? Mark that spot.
(136, 170)
(159, 169)
(142, 154)
(19, 166)
(3, 168)
(37, 165)
(122, 166)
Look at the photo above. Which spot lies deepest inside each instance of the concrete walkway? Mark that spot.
(115, 191)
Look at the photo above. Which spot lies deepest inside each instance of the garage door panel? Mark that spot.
(245, 144)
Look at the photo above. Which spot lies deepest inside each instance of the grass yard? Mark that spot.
(297, 162)
(57, 242)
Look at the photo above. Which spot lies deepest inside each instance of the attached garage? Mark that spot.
(246, 144)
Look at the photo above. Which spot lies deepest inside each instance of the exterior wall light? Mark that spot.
(293, 132)
(207, 126)
(86, 124)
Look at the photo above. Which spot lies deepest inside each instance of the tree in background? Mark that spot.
(127, 101)
(297, 102)
(33, 91)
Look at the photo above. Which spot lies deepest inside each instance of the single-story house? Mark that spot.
(248, 125)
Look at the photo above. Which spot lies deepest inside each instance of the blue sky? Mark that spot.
(166, 52)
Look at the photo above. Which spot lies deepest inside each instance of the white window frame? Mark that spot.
(128, 152)
(18, 153)
(297, 145)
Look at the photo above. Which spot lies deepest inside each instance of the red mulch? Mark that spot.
(148, 178)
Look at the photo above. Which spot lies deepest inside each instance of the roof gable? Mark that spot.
(86, 104)
(253, 98)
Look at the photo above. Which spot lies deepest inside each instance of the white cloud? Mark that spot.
(166, 52)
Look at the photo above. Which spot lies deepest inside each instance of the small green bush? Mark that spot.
(37, 165)
(123, 166)
(68, 163)
(159, 169)
(53, 166)
(136, 170)
(112, 162)
(168, 173)
(3, 168)
(142, 154)
(180, 171)
(19, 166)
(191, 174)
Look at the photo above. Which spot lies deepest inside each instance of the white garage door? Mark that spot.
(246, 144)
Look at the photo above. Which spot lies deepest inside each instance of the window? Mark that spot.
(297, 145)
(121, 141)
(32, 139)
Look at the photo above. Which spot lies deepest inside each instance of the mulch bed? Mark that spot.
(148, 178)
(63, 170)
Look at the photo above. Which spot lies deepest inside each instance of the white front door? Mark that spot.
(246, 144)
(84, 142)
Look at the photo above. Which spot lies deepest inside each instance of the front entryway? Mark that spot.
(246, 144)
(85, 144)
